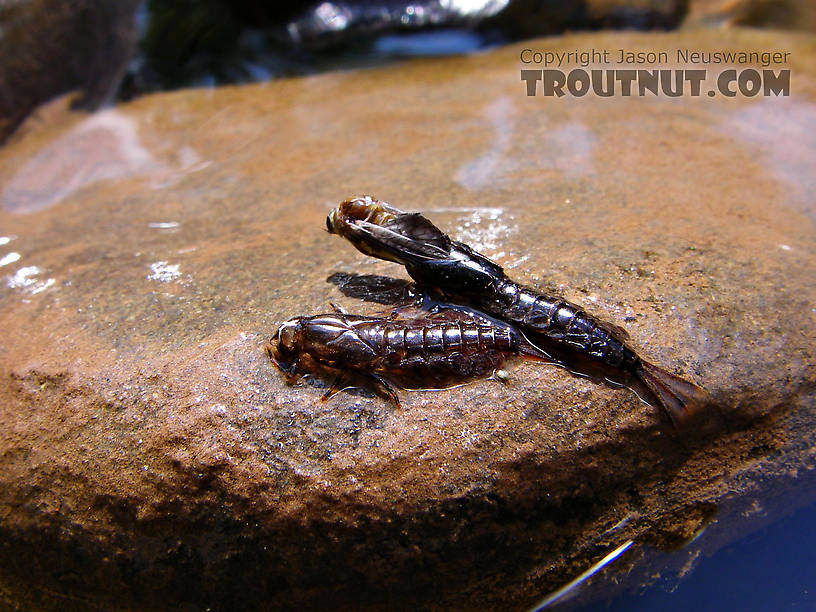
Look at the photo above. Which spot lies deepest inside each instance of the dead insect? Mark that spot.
(464, 276)
(434, 351)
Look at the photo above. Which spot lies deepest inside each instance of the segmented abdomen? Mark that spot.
(391, 338)
(562, 321)
(442, 353)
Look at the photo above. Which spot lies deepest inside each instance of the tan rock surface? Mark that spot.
(153, 458)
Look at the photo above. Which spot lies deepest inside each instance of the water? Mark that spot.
(771, 569)
(440, 42)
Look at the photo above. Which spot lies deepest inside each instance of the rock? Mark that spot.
(49, 48)
(154, 458)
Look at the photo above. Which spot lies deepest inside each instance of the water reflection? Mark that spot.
(768, 570)
(103, 147)
(484, 170)
(328, 20)
(9, 258)
(567, 589)
(482, 227)
(25, 279)
(164, 272)
(517, 153)
(784, 133)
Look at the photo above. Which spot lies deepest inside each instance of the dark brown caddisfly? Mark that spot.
(464, 276)
(429, 351)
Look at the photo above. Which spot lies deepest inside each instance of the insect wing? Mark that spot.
(417, 227)
(462, 252)
(387, 243)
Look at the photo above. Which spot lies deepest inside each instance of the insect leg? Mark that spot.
(337, 309)
(384, 389)
(340, 382)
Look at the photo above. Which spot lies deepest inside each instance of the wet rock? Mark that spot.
(153, 457)
(50, 47)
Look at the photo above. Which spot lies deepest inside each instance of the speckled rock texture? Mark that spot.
(152, 456)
